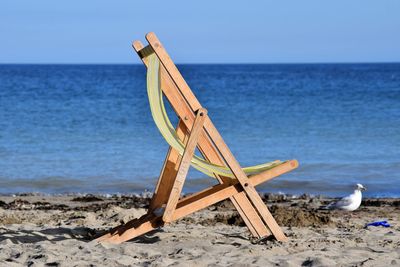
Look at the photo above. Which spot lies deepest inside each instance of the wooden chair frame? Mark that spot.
(195, 129)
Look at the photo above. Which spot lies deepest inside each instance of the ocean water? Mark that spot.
(88, 128)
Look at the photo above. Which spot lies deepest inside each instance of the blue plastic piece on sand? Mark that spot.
(379, 223)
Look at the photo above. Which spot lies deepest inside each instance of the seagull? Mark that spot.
(349, 203)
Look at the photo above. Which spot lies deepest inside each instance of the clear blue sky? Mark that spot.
(101, 31)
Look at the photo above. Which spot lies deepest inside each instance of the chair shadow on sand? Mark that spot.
(83, 234)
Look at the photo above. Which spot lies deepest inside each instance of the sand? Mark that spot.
(38, 230)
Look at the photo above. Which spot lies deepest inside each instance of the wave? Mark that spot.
(102, 185)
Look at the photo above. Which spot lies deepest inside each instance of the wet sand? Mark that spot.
(41, 230)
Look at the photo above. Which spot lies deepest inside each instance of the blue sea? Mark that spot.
(88, 128)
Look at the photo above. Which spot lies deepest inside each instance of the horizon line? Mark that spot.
(206, 63)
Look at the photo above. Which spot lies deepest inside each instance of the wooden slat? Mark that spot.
(146, 226)
(172, 70)
(184, 165)
(170, 166)
(274, 172)
(145, 52)
(120, 229)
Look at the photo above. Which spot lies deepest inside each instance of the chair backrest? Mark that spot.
(185, 104)
(167, 130)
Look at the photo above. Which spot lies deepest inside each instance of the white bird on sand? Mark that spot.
(349, 203)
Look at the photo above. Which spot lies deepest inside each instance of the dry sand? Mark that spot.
(56, 231)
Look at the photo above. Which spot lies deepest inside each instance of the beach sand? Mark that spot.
(39, 230)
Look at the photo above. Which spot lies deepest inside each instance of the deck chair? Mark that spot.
(195, 129)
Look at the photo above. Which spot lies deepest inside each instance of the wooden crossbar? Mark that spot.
(194, 130)
(145, 51)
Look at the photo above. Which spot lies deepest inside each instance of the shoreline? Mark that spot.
(149, 194)
(104, 186)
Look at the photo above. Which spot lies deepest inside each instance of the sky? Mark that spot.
(259, 31)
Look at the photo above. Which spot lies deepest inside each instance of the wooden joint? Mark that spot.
(201, 112)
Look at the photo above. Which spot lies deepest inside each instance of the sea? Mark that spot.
(88, 128)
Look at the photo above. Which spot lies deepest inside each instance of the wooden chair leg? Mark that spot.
(184, 165)
(128, 232)
(249, 189)
(118, 230)
(242, 204)
(169, 172)
(249, 215)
